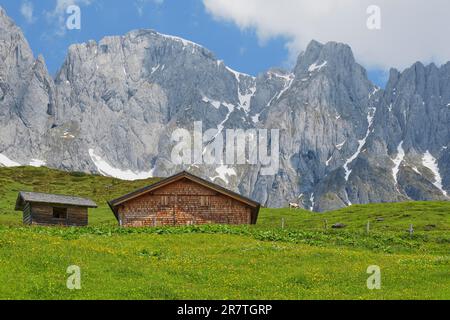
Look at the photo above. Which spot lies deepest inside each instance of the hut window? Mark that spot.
(165, 200)
(60, 213)
(204, 201)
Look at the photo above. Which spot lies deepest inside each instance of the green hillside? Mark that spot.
(98, 188)
(306, 259)
(425, 216)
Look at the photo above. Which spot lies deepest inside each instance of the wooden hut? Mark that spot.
(183, 199)
(52, 209)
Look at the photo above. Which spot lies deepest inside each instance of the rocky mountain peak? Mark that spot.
(318, 55)
(394, 76)
(3, 13)
(115, 103)
(332, 66)
(419, 79)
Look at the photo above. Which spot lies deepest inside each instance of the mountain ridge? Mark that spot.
(113, 104)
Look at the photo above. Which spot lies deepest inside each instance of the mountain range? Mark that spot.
(113, 105)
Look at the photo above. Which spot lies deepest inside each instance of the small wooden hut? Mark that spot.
(52, 209)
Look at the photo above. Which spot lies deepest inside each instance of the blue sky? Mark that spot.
(240, 48)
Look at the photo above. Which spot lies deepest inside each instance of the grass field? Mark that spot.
(304, 260)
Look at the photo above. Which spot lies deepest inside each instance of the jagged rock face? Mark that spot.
(127, 93)
(406, 152)
(114, 105)
(322, 111)
(26, 95)
(413, 122)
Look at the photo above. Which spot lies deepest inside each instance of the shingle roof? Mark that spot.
(52, 199)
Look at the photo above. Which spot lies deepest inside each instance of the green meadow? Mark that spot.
(289, 254)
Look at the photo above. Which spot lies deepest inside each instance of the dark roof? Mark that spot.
(35, 197)
(186, 175)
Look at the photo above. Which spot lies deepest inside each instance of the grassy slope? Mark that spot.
(98, 188)
(303, 261)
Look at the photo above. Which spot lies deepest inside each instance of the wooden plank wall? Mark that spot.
(42, 214)
(183, 203)
(27, 214)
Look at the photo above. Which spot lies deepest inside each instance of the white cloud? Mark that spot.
(62, 5)
(26, 9)
(140, 5)
(58, 15)
(411, 30)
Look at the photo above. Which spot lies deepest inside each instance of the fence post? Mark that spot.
(282, 223)
(368, 227)
(411, 230)
(325, 224)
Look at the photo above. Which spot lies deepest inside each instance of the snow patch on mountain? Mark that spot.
(431, 163)
(340, 145)
(221, 126)
(216, 104)
(287, 86)
(224, 172)
(311, 199)
(375, 90)
(284, 76)
(67, 135)
(349, 203)
(316, 67)
(154, 69)
(362, 143)
(107, 170)
(185, 42)
(398, 161)
(6, 162)
(238, 74)
(37, 163)
(245, 99)
(255, 118)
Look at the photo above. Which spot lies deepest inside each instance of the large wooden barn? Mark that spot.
(52, 209)
(183, 199)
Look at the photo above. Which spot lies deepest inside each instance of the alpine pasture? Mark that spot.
(289, 254)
